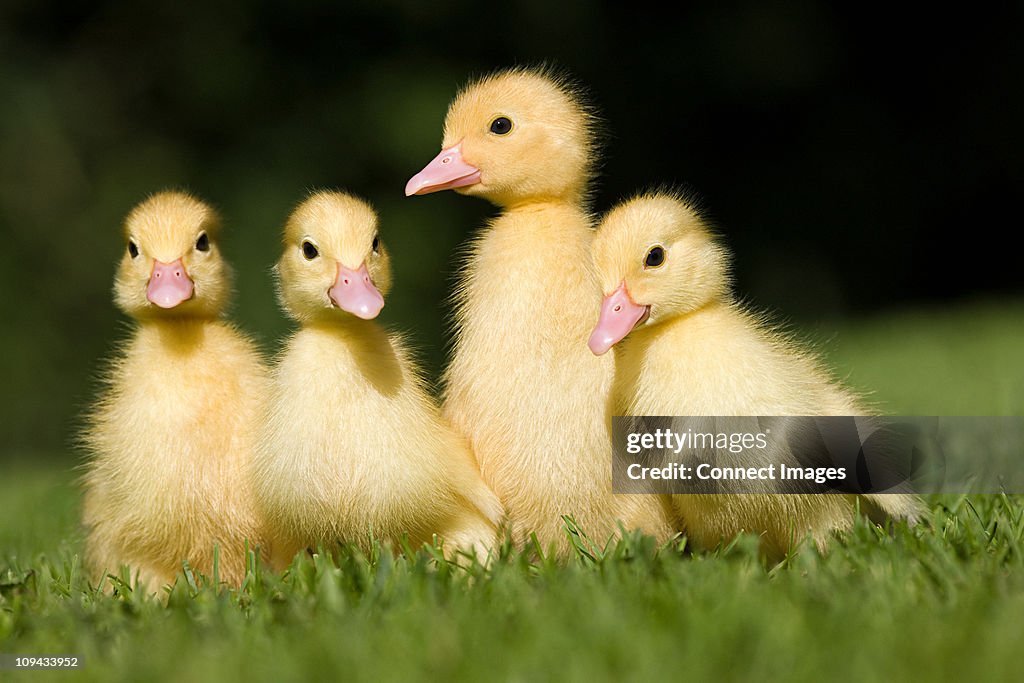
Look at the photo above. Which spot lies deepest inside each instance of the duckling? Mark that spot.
(353, 447)
(521, 385)
(172, 435)
(683, 346)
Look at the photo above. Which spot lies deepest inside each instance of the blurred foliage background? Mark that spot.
(856, 158)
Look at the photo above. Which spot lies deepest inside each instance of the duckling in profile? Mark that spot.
(521, 384)
(353, 447)
(172, 436)
(684, 347)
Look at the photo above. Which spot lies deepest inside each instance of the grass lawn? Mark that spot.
(942, 601)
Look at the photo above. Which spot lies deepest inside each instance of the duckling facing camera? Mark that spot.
(173, 434)
(683, 346)
(353, 448)
(521, 385)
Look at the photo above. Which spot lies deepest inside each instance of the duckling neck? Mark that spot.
(351, 347)
(176, 335)
(528, 204)
(346, 325)
(538, 223)
(359, 338)
(646, 362)
(639, 341)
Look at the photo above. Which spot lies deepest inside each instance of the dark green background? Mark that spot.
(857, 160)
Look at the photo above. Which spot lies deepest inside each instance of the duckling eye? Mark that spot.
(309, 251)
(376, 244)
(655, 257)
(501, 125)
(203, 243)
(133, 249)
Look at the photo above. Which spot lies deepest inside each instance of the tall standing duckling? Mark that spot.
(173, 435)
(353, 446)
(521, 384)
(684, 347)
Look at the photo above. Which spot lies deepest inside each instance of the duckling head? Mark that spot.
(516, 136)
(333, 262)
(171, 264)
(656, 260)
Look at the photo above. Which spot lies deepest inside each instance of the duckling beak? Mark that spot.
(619, 315)
(169, 284)
(354, 292)
(447, 171)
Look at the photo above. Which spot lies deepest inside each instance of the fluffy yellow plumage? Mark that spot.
(521, 384)
(172, 436)
(353, 447)
(694, 351)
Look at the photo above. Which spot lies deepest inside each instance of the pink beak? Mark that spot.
(169, 284)
(619, 315)
(447, 171)
(353, 291)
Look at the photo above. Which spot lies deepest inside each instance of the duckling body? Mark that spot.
(719, 361)
(521, 385)
(694, 351)
(354, 448)
(172, 437)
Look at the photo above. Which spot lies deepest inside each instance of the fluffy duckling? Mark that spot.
(173, 434)
(684, 347)
(521, 384)
(353, 447)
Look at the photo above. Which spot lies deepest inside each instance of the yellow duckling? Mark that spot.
(353, 446)
(173, 435)
(684, 347)
(521, 384)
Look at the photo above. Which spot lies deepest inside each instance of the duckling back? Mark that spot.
(173, 433)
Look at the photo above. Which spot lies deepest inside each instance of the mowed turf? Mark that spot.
(942, 601)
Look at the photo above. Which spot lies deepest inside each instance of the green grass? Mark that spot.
(944, 600)
(969, 361)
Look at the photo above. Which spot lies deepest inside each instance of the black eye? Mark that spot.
(376, 243)
(655, 257)
(501, 125)
(203, 243)
(309, 251)
(133, 249)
